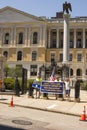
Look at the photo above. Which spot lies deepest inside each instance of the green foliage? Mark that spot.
(6, 70)
(84, 86)
(18, 71)
(9, 83)
(12, 72)
(29, 83)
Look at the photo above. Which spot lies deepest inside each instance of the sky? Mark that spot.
(46, 8)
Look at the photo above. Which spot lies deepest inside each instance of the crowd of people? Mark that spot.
(66, 88)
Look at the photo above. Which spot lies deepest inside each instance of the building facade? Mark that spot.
(32, 41)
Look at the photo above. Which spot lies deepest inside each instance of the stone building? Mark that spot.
(32, 41)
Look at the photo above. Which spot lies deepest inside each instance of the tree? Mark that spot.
(6, 70)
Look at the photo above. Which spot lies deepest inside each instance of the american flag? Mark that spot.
(52, 78)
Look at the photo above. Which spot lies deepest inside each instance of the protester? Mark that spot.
(38, 80)
(67, 88)
(31, 89)
(56, 80)
(77, 90)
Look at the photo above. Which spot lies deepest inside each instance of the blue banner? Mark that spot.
(36, 84)
(52, 87)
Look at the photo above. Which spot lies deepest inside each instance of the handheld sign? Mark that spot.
(36, 84)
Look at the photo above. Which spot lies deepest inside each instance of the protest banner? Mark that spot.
(52, 87)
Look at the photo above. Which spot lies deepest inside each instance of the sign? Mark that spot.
(52, 87)
(36, 84)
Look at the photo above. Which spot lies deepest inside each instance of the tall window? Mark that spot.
(34, 56)
(33, 70)
(20, 40)
(35, 37)
(5, 53)
(53, 43)
(61, 44)
(6, 38)
(19, 55)
(53, 39)
(61, 57)
(86, 57)
(79, 43)
(71, 44)
(79, 72)
(85, 43)
(79, 57)
(52, 57)
(86, 72)
(71, 72)
(70, 57)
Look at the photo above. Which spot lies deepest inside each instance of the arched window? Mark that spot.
(34, 56)
(20, 40)
(79, 72)
(5, 53)
(86, 72)
(71, 72)
(35, 37)
(6, 38)
(19, 55)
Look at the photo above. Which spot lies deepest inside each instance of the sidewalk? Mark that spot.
(51, 104)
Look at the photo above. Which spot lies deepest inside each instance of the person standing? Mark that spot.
(38, 80)
(67, 88)
(77, 90)
(56, 80)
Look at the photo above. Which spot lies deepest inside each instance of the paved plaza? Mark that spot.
(51, 104)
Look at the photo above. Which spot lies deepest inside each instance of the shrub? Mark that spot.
(9, 83)
(84, 86)
(29, 83)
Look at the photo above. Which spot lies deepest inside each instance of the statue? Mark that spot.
(67, 7)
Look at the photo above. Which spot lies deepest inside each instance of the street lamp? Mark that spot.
(65, 71)
(43, 75)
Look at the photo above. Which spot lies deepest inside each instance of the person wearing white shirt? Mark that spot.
(67, 88)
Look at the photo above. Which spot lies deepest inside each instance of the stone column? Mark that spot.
(83, 37)
(44, 35)
(66, 39)
(14, 36)
(26, 34)
(74, 38)
(49, 39)
(57, 38)
(41, 40)
(1, 35)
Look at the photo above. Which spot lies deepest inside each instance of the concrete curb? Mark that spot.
(36, 108)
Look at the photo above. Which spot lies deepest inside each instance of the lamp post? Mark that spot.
(65, 71)
(43, 75)
(2, 63)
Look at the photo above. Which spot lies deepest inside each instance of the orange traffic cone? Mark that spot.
(83, 116)
(11, 102)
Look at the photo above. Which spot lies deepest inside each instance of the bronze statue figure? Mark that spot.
(67, 7)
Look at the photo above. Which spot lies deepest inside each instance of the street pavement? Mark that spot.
(51, 104)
